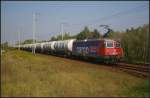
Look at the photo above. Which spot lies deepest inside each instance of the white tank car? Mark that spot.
(32, 46)
(24, 46)
(52, 45)
(65, 46)
(38, 46)
(70, 44)
(47, 46)
(42, 44)
(28, 46)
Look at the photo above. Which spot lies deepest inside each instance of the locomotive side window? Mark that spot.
(109, 44)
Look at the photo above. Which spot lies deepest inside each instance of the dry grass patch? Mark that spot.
(25, 74)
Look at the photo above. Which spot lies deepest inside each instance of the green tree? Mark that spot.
(28, 41)
(84, 34)
(135, 44)
(65, 37)
(53, 38)
(96, 34)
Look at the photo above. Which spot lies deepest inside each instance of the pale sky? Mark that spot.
(119, 15)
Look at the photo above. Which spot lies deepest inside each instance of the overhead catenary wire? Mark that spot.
(116, 15)
(112, 16)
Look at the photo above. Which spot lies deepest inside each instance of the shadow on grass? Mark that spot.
(87, 60)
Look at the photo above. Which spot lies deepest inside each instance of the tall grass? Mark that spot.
(25, 74)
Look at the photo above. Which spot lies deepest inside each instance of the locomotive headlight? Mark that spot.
(114, 52)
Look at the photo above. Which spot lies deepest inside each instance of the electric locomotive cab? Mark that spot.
(112, 50)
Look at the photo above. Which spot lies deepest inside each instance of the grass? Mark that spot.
(25, 74)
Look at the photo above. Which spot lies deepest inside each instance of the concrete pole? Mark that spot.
(19, 39)
(148, 55)
(62, 30)
(34, 28)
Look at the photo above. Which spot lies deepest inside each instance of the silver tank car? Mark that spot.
(64, 46)
(47, 47)
(38, 47)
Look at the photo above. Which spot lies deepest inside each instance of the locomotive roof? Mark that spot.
(96, 40)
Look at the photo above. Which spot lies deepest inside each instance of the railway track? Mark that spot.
(137, 70)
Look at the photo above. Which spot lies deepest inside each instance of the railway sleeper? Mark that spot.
(135, 73)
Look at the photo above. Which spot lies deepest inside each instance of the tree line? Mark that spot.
(84, 34)
(135, 42)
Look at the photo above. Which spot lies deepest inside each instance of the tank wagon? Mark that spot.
(64, 47)
(106, 50)
(48, 47)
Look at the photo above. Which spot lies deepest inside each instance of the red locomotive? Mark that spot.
(106, 50)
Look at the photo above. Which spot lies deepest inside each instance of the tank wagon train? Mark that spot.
(105, 50)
